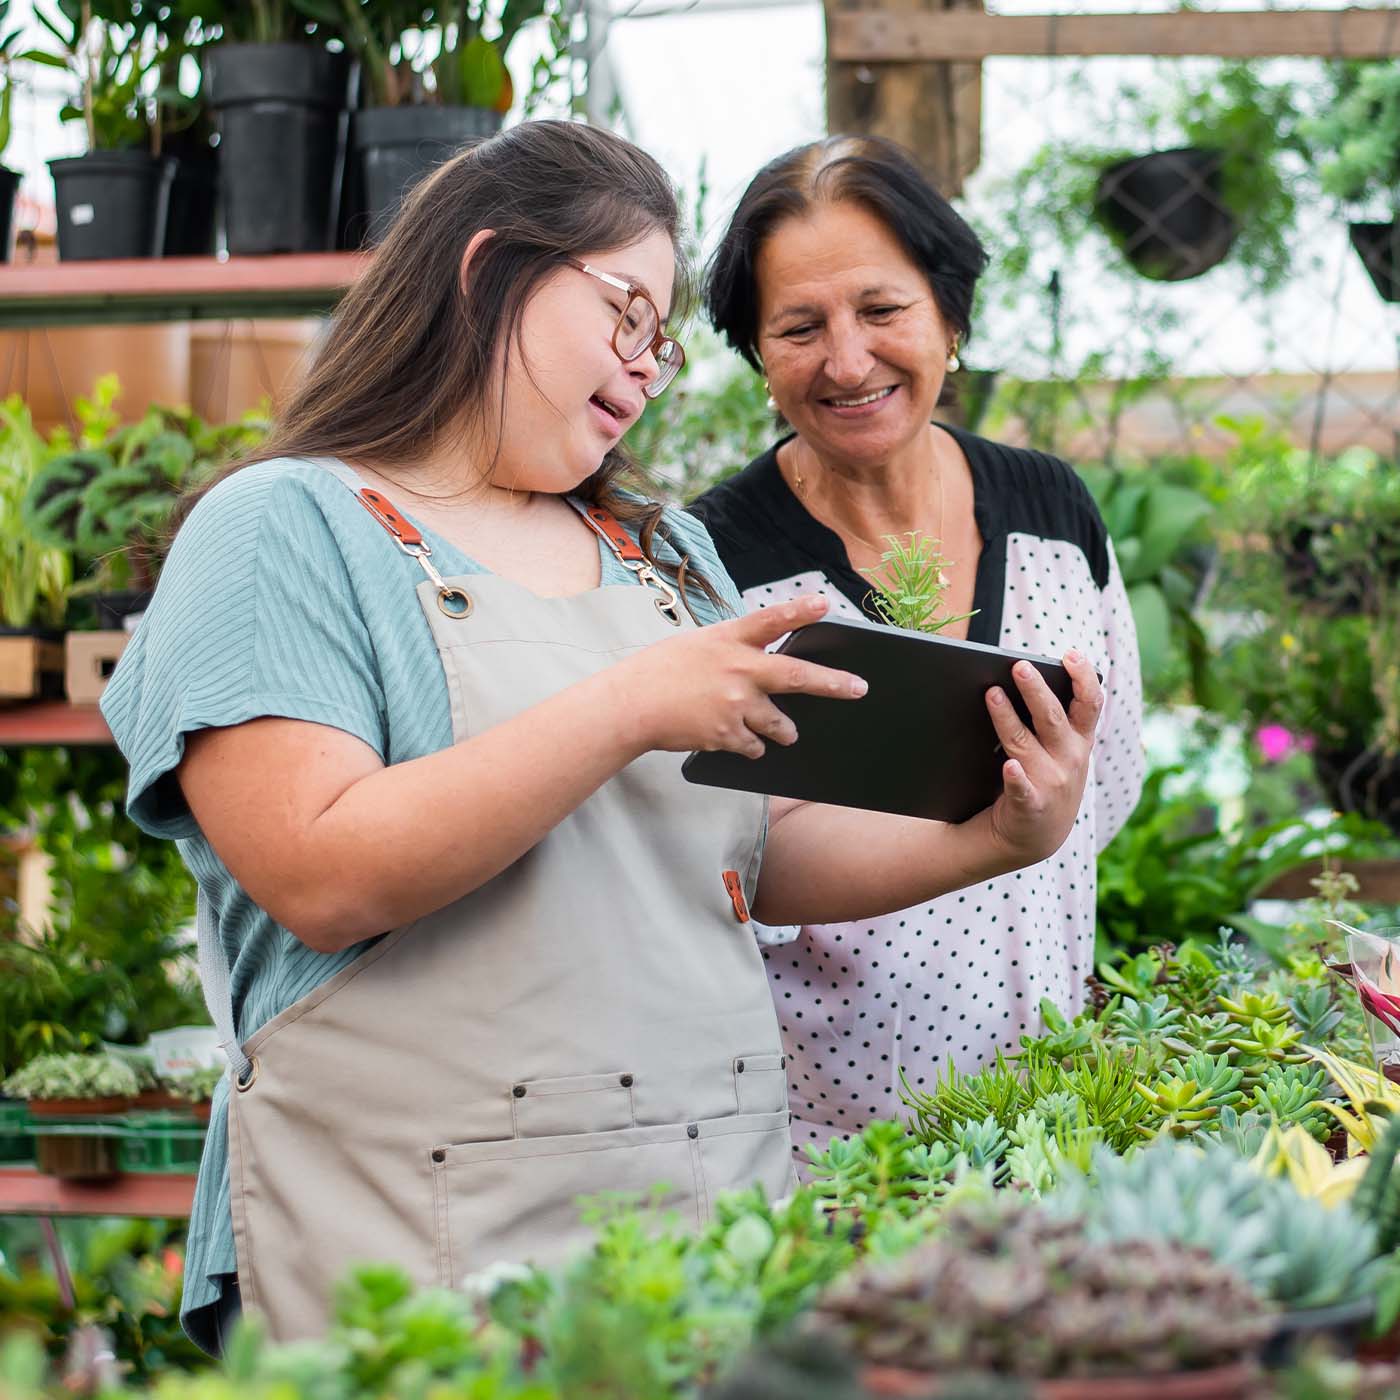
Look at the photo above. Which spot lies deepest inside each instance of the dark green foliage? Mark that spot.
(1377, 1198)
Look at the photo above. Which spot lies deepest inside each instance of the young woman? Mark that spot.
(425, 667)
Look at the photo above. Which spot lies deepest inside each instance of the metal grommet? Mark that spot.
(782, 1064)
(455, 603)
(243, 1085)
(739, 1067)
(439, 1155)
(668, 611)
(692, 1131)
(519, 1091)
(626, 1081)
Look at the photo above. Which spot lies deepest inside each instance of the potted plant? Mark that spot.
(9, 179)
(108, 500)
(433, 82)
(111, 202)
(195, 1090)
(1215, 181)
(281, 98)
(1004, 1287)
(1361, 130)
(74, 1087)
(36, 577)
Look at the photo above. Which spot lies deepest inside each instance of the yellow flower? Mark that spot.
(1288, 642)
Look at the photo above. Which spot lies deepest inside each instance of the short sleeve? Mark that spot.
(254, 616)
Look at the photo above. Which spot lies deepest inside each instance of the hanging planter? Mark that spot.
(395, 147)
(111, 204)
(1379, 247)
(1167, 212)
(282, 111)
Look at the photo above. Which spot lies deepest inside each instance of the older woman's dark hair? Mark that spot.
(865, 170)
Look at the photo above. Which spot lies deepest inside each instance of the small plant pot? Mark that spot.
(157, 1101)
(283, 111)
(1166, 211)
(192, 223)
(1343, 1325)
(9, 189)
(1379, 247)
(395, 147)
(111, 204)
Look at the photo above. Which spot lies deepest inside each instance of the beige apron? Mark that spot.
(594, 1019)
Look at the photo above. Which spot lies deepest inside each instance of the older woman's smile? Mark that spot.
(861, 405)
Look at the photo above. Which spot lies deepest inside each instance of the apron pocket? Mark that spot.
(582, 1103)
(736, 1153)
(760, 1083)
(518, 1202)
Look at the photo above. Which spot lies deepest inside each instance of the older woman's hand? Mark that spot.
(1045, 769)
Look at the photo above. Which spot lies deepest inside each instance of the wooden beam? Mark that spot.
(933, 110)
(968, 36)
(1379, 881)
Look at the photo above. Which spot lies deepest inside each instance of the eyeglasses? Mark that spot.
(638, 330)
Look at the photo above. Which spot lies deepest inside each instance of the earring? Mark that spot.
(772, 402)
(954, 364)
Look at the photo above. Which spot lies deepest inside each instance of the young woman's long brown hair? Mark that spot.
(409, 354)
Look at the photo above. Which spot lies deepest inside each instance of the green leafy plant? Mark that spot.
(1360, 131)
(35, 577)
(909, 583)
(198, 1085)
(73, 1077)
(881, 1170)
(1290, 1093)
(109, 501)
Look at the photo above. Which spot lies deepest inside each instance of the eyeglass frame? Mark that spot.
(636, 292)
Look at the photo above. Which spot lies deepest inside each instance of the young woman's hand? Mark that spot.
(1045, 769)
(710, 688)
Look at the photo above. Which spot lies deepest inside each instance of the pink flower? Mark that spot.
(1275, 742)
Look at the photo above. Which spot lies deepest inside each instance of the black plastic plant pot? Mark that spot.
(1379, 246)
(282, 111)
(111, 204)
(192, 226)
(9, 188)
(1167, 211)
(395, 147)
(113, 609)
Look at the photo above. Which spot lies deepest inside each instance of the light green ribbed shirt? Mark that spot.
(282, 596)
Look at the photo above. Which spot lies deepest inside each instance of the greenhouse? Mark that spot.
(699, 700)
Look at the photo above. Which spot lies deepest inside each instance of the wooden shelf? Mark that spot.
(174, 289)
(52, 722)
(154, 1195)
(1379, 881)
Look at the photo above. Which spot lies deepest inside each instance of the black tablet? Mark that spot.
(920, 743)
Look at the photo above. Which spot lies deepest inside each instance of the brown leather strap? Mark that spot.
(605, 523)
(383, 510)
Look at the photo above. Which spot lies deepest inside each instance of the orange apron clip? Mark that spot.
(735, 886)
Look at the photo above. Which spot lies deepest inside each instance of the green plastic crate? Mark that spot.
(159, 1142)
(16, 1146)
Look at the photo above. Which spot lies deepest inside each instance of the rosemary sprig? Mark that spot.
(909, 584)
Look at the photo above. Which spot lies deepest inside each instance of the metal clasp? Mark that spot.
(666, 603)
(452, 602)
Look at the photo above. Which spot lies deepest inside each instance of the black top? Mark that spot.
(762, 532)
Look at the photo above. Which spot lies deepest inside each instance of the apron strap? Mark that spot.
(218, 991)
(629, 554)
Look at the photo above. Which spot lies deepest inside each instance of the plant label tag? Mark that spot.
(82, 214)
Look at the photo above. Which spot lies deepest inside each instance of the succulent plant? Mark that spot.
(1290, 1094)
(1189, 1095)
(982, 1145)
(1250, 1007)
(882, 1169)
(1144, 1024)
(1243, 1133)
(1293, 1250)
(1004, 1287)
(1315, 1013)
(52, 1077)
(1377, 1198)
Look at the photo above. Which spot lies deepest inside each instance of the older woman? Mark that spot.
(847, 281)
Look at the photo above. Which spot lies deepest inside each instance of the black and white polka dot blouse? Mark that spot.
(963, 976)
